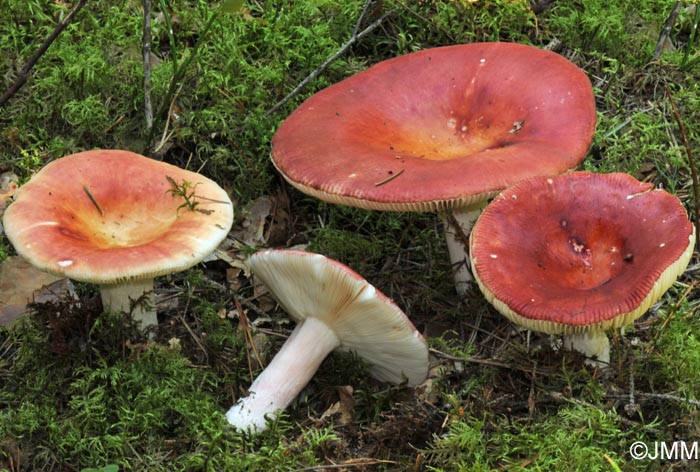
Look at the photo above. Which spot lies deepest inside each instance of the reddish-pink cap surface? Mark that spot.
(580, 250)
(109, 216)
(440, 128)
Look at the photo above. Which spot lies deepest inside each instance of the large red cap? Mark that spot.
(440, 128)
(580, 251)
(109, 216)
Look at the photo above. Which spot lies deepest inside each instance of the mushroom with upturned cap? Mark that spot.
(335, 308)
(443, 129)
(117, 219)
(580, 253)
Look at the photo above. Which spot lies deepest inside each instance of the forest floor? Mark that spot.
(82, 389)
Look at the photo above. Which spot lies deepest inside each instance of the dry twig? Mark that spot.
(666, 31)
(353, 39)
(146, 50)
(691, 163)
(248, 339)
(24, 73)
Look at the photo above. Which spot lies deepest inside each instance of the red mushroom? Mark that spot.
(335, 308)
(117, 219)
(441, 129)
(580, 253)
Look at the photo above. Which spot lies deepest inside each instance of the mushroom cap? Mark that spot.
(364, 320)
(138, 232)
(580, 251)
(441, 128)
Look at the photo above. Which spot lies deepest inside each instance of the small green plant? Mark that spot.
(29, 161)
(184, 190)
(181, 69)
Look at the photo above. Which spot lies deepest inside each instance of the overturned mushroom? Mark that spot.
(580, 254)
(117, 219)
(335, 308)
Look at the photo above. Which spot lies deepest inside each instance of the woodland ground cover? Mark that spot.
(83, 389)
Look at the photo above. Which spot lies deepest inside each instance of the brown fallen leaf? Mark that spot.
(21, 284)
(251, 230)
(8, 186)
(342, 411)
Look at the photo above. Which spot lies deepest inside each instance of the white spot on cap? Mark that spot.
(494, 256)
(65, 263)
(633, 195)
(352, 176)
(41, 223)
(550, 181)
(482, 60)
(662, 244)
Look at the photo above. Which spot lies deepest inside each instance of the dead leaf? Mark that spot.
(342, 411)
(21, 283)
(233, 257)
(233, 278)
(429, 390)
(279, 231)
(251, 230)
(8, 186)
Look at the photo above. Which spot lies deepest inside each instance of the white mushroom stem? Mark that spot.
(120, 297)
(457, 245)
(285, 376)
(593, 344)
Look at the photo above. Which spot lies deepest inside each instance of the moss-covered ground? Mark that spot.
(84, 390)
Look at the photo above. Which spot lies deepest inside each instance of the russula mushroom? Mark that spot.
(442, 129)
(334, 308)
(580, 253)
(117, 219)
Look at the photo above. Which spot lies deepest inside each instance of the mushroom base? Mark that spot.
(285, 376)
(457, 238)
(139, 294)
(594, 344)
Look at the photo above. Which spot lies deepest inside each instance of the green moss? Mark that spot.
(143, 406)
(575, 438)
(677, 352)
(603, 26)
